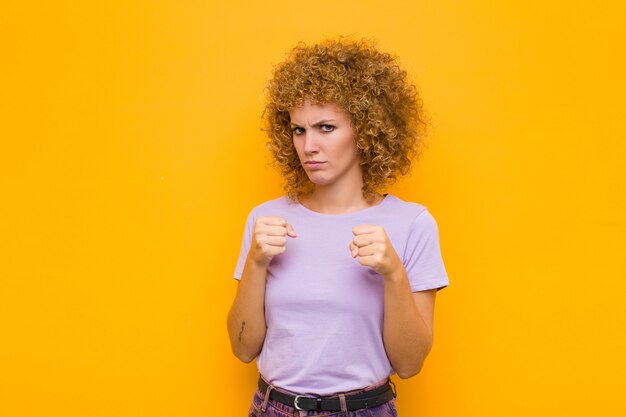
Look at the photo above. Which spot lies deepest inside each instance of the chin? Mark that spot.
(319, 180)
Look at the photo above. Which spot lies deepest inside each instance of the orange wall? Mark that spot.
(131, 154)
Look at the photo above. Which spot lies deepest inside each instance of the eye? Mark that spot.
(296, 130)
(331, 128)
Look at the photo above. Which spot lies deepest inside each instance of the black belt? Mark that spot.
(367, 399)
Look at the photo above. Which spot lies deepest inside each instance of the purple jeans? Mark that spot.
(276, 409)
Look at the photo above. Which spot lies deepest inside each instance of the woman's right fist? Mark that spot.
(269, 238)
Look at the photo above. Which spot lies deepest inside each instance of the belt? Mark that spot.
(367, 399)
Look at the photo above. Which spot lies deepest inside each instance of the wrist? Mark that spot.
(257, 264)
(396, 275)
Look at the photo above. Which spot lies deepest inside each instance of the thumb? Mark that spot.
(290, 231)
(354, 250)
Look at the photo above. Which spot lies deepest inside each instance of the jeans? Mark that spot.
(276, 409)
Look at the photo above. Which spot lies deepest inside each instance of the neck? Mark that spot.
(333, 201)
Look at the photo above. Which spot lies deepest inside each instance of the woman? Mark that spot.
(337, 281)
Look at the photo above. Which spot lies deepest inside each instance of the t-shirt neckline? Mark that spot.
(344, 215)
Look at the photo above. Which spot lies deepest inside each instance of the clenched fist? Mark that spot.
(269, 238)
(374, 249)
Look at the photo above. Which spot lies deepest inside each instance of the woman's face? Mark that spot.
(324, 133)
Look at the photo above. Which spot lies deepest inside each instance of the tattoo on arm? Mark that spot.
(243, 324)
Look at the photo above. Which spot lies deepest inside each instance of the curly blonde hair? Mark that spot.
(384, 107)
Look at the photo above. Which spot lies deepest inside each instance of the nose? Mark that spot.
(310, 142)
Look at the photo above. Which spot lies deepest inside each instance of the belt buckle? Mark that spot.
(295, 401)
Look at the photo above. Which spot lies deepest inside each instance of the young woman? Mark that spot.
(337, 281)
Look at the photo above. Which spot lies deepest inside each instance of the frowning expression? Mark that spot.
(325, 142)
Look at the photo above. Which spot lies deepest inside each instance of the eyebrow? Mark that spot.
(321, 122)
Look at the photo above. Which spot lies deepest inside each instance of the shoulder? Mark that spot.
(272, 206)
(408, 210)
(412, 217)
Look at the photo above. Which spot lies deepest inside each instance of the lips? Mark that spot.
(314, 164)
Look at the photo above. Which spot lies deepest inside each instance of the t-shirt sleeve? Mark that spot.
(422, 256)
(245, 244)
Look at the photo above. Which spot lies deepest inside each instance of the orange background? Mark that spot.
(131, 154)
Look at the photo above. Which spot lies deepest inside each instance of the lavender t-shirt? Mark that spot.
(323, 309)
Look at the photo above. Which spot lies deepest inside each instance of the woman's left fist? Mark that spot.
(374, 249)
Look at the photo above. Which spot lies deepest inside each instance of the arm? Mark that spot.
(408, 316)
(408, 323)
(246, 318)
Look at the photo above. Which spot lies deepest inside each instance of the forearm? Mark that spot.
(246, 318)
(406, 336)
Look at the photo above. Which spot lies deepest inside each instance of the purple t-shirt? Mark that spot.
(323, 309)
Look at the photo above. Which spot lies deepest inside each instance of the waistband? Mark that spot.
(368, 397)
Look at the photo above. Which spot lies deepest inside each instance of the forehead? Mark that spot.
(309, 110)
